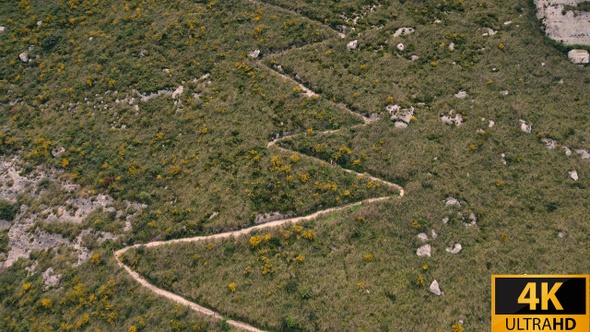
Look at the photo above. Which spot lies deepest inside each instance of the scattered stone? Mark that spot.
(213, 215)
(423, 237)
(551, 144)
(434, 235)
(507, 22)
(403, 31)
(455, 249)
(504, 92)
(166, 70)
(254, 54)
(24, 57)
(445, 220)
(2, 29)
(452, 46)
(560, 81)
(414, 57)
(434, 288)
(503, 158)
(452, 118)
(525, 127)
(39, 23)
(424, 251)
(437, 21)
(583, 153)
(568, 152)
(177, 92)
(268, 217)
(450, 201)
(574, 175)
(352, 45)
(400, 46)
(461, 94)
(578, 56)
(561, 235)
(398, 114)
(57, 151)
(490, 32)
(491, 123)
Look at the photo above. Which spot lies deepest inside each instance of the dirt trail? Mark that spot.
(272, 144)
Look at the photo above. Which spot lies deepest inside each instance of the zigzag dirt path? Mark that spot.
(271, 145)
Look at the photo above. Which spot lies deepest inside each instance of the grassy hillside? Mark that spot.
(163, 103)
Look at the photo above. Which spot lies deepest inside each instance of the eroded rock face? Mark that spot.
(567, 27)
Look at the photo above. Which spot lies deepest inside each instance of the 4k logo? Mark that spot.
(540, 303)
(546, 296)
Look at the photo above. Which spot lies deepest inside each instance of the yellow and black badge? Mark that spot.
(540, 303)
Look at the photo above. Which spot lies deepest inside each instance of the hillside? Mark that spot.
(438, 140)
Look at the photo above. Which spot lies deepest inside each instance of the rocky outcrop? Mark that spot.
(567, 27)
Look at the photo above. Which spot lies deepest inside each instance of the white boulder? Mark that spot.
(578, 56)
(403, 31)
(352, 45)
(24, 57)
(424, 251)
(434, 288)
(455, 249)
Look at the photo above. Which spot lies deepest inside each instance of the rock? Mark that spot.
(551, 144)
(50, 278)
(434, 235)
(39, 23)
(437, 21)
(423, 237)
(561, 235)
(254, 54)
(268, 217)
(461, 94)
(401, 125)
(578, 56)
(177, 92)
(398, 114)
(445, 220)
(569, 28)
(583, 153)
(58, 151)
(450, 201)
(24, 57)
(452, 118)
(507, 22)
(490, 32)
(525, 127)
(2, 29)
(352, 45)
(213, 215)
(400, 46)
(424, 251)
(452, 46)
(491, 123)
(403, 31)
(455, 249)
(414, 57)
(574, 175)
(434, 288)
(503, 158)
(567, 151)
(166, 71)
(504, 92)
